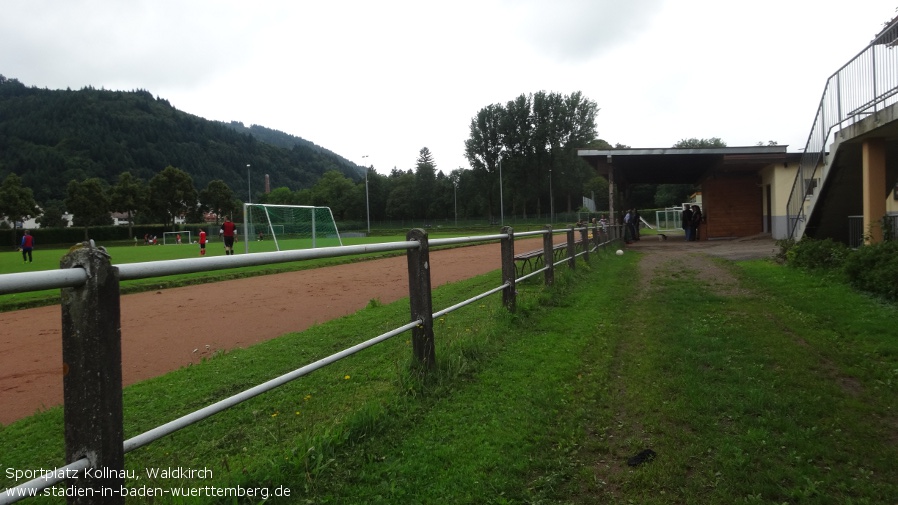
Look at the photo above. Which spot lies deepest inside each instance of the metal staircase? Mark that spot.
(860, 89)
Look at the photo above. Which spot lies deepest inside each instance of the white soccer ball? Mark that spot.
(620, 252)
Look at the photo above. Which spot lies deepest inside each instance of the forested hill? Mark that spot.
(50, 137)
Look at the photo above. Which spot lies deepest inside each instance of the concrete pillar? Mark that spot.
(874, 175)
(92, 375)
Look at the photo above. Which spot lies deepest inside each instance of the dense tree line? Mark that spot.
(50, 137)
(91, 152)
(533, 140)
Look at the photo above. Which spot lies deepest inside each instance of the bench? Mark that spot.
(534, 258)
(530, 258)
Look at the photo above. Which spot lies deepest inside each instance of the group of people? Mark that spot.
(228, 232)
(692, 219)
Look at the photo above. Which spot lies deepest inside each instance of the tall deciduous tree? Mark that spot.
(88, 201)
(16, 202)
(694, 143)
(218, 198)
(129, 195)
(534, 136)
(400, 201)
(484, 148)
(172, 194)
(52, 216)
(330, 191)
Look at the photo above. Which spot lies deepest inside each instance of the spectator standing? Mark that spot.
(228, 231)
(202, 242)
(687, 222)
(696, 221)
(27, 246)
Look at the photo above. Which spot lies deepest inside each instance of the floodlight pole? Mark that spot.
(249, 189)
(455, 193)
(501, 201)
(367, 201)
(551, 200)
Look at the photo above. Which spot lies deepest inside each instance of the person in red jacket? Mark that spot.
(27, 247)
(228, 231)
(202, 242)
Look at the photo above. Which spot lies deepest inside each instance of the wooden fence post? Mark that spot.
(509, 298)
(92, 374)
(420, 300)
(571, 249)
(584, 239)
(549, 255)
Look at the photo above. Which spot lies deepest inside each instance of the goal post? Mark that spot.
(289, 227)
(171, 237)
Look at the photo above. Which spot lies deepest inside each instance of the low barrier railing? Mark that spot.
(91, 339)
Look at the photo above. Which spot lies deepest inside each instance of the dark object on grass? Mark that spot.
(642, 457)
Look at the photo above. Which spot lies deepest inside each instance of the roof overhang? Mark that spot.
(682, 165)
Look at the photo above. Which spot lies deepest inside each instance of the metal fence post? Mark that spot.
(571, 249)
(420, 300)
(508, 271)
(549, 255)
(92, 373)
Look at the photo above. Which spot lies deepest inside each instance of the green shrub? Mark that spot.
(817, 254)
(784, 244)
(874, 268)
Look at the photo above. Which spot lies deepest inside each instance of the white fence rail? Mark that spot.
(92, 345)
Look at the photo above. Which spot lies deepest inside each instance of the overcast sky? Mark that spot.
(385, 78)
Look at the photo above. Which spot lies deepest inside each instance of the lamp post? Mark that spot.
(551, 200)
(501, 201)
(367, 202)
(249, 189)
(455, 196)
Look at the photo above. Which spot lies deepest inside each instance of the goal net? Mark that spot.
(175, 237)
(270, 227)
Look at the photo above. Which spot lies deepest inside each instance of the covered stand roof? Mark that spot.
(681, 165)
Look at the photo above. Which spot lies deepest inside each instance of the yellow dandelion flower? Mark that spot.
(346, 378)
(274, 415)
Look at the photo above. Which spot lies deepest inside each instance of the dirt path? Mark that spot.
(166, 330)
(676, 254)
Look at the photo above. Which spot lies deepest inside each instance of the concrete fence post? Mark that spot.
(92, 373)
(420, 300)
(549, 255)
(509, 273)
(571, 249)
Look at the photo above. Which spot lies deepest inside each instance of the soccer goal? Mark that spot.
(289, 226)
(171, 237)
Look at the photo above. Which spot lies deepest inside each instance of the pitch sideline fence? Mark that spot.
(91, 338)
